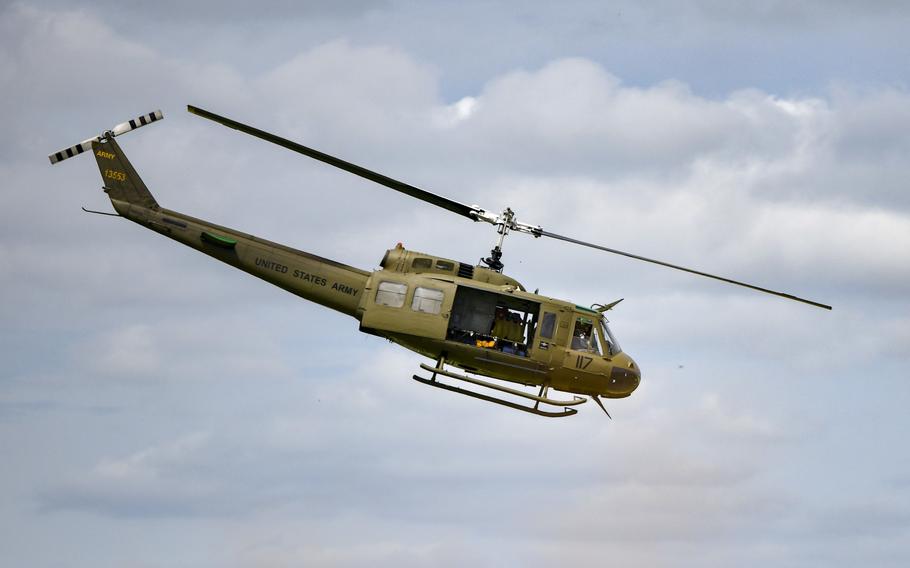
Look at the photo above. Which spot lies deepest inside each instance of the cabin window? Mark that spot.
(547, 325)
(445, 265)
(391, 294)
(422, 263)
(427, 300)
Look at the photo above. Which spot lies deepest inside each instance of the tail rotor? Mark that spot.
(121, 128)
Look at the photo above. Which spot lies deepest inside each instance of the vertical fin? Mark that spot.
(121, 182)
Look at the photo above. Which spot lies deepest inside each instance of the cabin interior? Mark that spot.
(493, 321)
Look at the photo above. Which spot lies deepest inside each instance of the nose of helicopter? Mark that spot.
(625, 376)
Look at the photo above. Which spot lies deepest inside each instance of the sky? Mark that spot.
(160, 408)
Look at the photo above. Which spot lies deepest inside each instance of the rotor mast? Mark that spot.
(493, 261)
(504, 223)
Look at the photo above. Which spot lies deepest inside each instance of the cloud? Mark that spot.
(365, 91)
(866, 518)
(264, 418)
(149, 463)
(150, 482)
(232, 11)
(128, 351)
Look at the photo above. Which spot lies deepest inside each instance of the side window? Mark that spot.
(391, 294)
(444, 265)
(422, 263)
(581, 338)
(548, 325)
(427, 300)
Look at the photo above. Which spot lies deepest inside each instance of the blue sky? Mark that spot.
(158, 408)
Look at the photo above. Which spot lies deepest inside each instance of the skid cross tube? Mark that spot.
(494, 400)
(575, 400)
(540, 398)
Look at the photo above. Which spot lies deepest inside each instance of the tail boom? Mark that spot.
(321, 280)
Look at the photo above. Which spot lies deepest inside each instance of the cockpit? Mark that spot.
(592, 334)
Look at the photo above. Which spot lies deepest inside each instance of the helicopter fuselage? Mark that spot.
(433, 306)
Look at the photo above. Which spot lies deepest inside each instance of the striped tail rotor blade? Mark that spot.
(125, 127)
(83, 146)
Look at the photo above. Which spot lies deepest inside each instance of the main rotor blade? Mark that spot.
(684, 269)
(407, 189)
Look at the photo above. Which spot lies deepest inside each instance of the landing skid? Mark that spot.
(538, 399)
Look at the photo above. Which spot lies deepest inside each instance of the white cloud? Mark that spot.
(456, 112)
(152, 462)
(321, 428)
(129, 351)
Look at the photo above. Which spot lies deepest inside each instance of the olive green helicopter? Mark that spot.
(470, 317)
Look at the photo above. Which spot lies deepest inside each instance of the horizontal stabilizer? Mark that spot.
(121, 128)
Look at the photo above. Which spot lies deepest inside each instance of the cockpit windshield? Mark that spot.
(612, 346)
(592, 335)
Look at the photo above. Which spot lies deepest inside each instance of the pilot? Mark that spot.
(581, 335)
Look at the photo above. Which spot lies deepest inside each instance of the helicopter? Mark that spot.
(470, 317)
